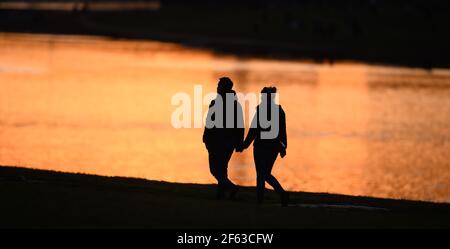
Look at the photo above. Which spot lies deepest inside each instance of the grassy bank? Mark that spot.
(38, 198)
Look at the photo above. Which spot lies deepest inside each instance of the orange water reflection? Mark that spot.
(98, 106)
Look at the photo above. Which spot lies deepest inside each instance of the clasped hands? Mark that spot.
(240, 148)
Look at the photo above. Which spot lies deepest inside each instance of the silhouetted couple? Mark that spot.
(224, 134)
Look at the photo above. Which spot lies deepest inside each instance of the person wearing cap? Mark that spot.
(222, 138)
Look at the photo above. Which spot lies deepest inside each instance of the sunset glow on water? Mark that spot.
(102, 106)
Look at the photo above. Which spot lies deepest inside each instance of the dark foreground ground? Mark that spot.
(46, 199)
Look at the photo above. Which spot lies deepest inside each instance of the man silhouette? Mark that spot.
(224, 132)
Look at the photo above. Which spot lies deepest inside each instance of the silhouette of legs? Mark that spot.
(264, 161)
(218, 165)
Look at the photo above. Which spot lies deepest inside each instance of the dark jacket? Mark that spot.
(225, 137)
(279, 142)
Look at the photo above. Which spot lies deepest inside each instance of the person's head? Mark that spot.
(268, 93)
(225, 85)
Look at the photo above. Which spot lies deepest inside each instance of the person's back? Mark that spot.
(265, 130)
(268, 134)
(217, 134)
(221, 140)
(280, 138)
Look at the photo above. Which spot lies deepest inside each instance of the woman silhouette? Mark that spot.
(267, 148)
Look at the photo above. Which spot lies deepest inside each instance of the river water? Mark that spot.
(102, 106)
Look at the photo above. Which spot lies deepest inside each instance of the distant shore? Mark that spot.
(403, 33)
(34, 198)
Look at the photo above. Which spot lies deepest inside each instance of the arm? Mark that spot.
(252, 132)
(207, 131)
(240, 130)
(283, 135)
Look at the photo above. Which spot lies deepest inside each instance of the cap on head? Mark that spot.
(269, 89)
(225, 85)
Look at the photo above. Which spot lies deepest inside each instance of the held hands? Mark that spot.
(240, 148)
(283, 153)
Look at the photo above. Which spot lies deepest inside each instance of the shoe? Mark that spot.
(220, 195)
(284, 199)
(233, 193)
(260, 198)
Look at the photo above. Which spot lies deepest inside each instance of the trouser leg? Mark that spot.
(213, 164)
(271, 158)
(228, 182)
(218, 163)
(274, 183)
(264, 161)
(215, 169)
(258, 155)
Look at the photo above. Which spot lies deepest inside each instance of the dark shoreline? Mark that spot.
(46, 199)
(403, 33)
